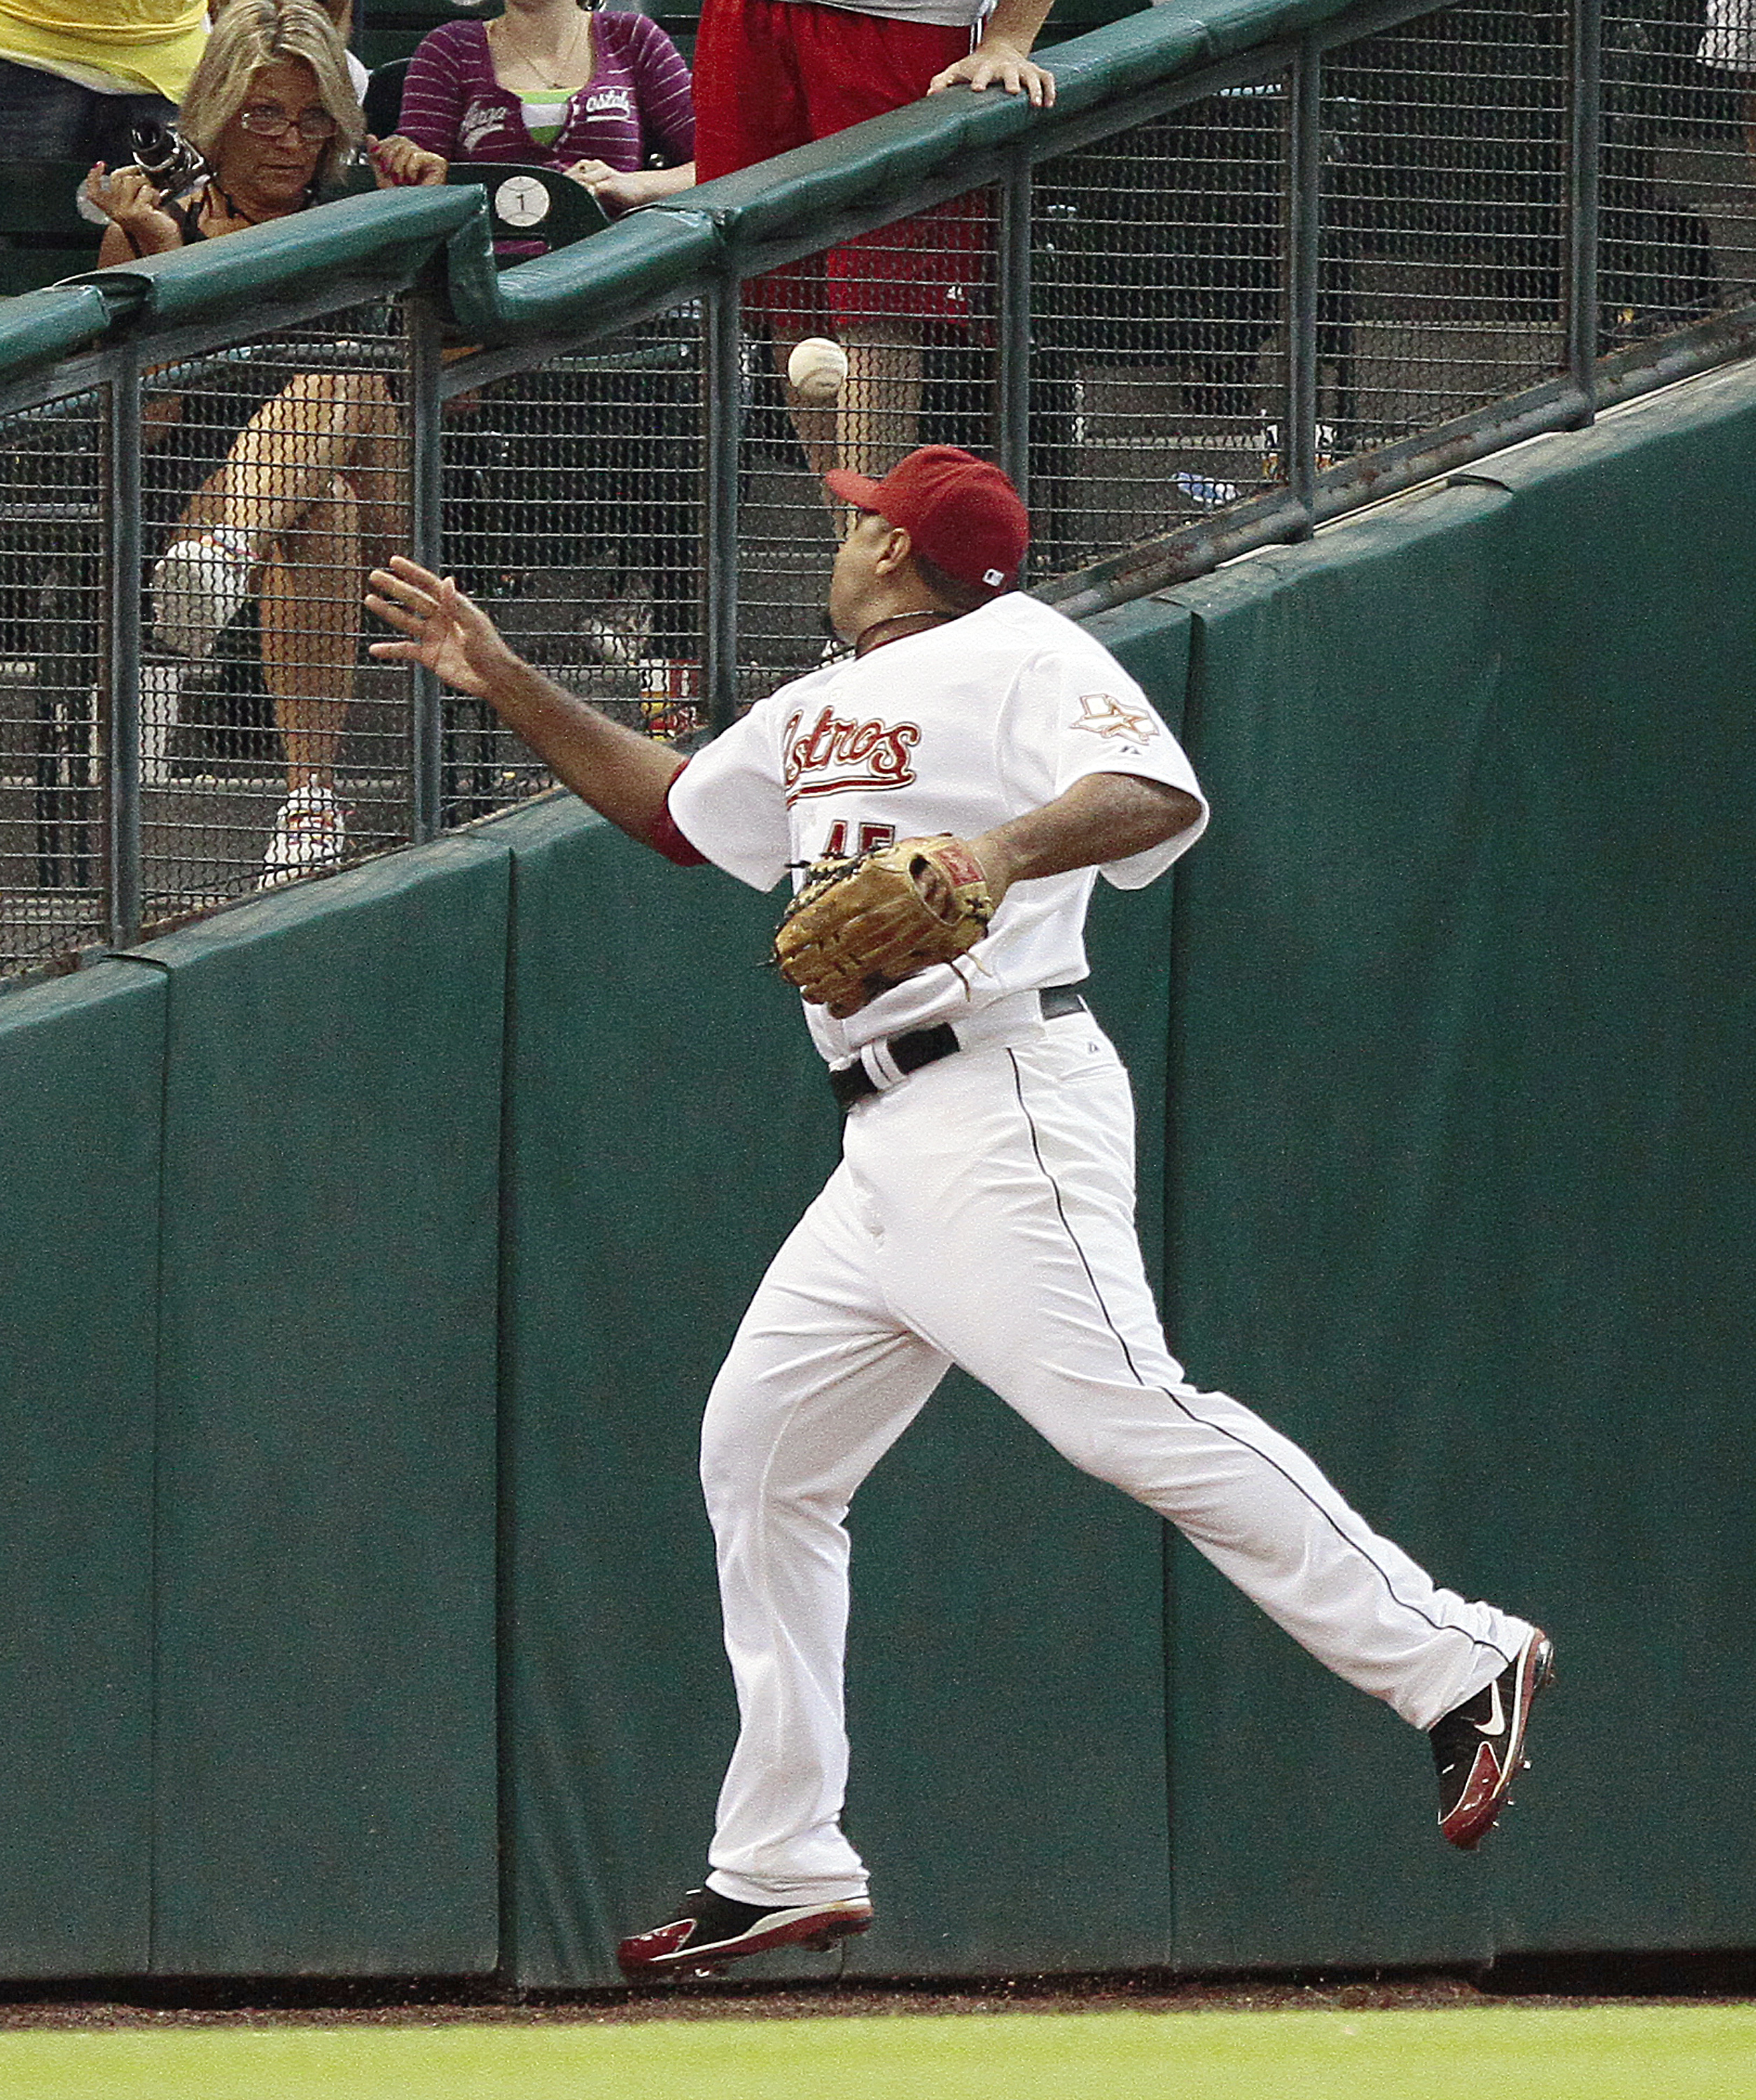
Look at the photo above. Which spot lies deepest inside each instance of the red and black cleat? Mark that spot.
(707, 1930)
(1479, 1747)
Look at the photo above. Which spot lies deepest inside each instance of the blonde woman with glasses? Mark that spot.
(311, 480)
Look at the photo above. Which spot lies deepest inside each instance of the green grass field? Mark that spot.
(1495, 2052)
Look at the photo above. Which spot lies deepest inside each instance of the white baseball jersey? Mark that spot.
(956, 730)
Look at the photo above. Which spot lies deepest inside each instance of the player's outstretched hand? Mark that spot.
(447, 632)
(996, 62)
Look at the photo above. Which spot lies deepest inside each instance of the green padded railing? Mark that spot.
(41, 328)
(356, 245)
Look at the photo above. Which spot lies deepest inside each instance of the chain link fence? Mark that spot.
(52, 669)
(914, 305)
(1159, 278)
(1227, 305)
(273, 476)
(571, 503)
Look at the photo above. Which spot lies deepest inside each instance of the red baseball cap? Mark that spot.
(961, 512)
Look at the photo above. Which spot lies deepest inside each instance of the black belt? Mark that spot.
(927, 1046)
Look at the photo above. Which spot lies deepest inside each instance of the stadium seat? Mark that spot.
(529, 203)
(383, 101)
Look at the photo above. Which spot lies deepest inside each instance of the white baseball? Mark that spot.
(816, 369)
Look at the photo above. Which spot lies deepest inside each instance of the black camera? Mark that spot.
(163, 155)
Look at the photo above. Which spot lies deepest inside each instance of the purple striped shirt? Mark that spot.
(636, 103)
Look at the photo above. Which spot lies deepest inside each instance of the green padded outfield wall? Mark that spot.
(82, 1081)
(326, 1787)
(1330, 1235)
(1462, 1167)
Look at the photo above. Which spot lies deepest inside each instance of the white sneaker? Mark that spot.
(309, 835)
(197, 585)
(1268, 442)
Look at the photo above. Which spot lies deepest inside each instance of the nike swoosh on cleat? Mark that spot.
(1496, 1720)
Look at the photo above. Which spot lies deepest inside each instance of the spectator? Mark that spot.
(774, 74)
(514, 89)
(309, 480)
(605, 460)
(74, 78)
(1729, 47)
(1655, 265)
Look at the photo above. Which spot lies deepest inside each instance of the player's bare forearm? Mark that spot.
(620, 774)
(1105, 817)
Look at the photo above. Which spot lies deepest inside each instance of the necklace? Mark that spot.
(566, 61)
(861, 645)
(237, 210)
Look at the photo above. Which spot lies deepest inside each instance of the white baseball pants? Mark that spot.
(983, 1214)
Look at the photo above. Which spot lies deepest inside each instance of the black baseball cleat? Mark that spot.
(1479, 1747)
(707, 1930)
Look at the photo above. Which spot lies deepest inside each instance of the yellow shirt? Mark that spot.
(119, 46)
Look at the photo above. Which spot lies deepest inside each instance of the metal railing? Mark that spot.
(1252, 271)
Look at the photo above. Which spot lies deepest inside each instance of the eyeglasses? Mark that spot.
(264, 119)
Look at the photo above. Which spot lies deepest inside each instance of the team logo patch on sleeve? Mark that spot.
(1104, 715)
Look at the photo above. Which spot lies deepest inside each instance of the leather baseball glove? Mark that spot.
(860, 924)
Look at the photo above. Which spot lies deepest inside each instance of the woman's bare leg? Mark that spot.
(285, 458)
(379, 476)
(309, 601)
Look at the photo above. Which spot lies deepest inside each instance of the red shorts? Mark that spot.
(771, 75)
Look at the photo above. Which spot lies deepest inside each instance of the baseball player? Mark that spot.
(983, 1211)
